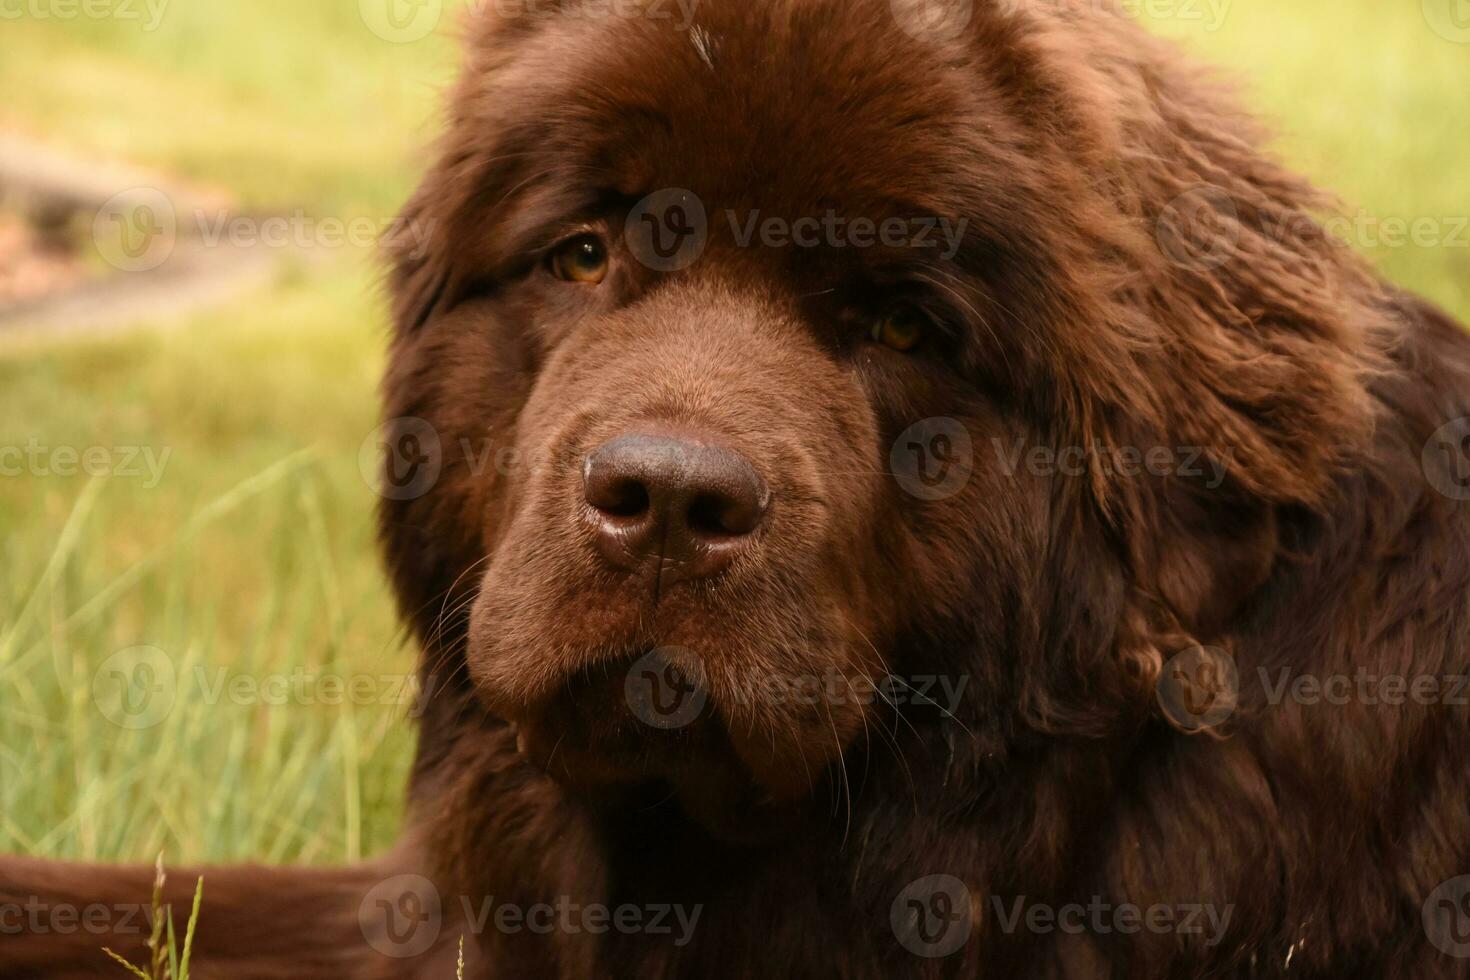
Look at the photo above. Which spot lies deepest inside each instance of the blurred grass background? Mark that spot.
(254, 552)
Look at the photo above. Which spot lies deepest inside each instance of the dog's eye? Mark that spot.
(902, 328)
(580, 259)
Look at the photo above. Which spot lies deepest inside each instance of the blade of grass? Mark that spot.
(160, 917)
(65, 542)
(188, 954)
(172, 946)
(130, 967)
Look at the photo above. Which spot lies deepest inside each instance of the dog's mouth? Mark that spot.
(644, 734)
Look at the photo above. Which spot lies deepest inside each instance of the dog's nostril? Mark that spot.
(707, 515)
(621, 498)
(719, 515)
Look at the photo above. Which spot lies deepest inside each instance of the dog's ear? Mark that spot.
(476, 154)
(1213, 319)
(1238, 324)
(1270, 331)
(432, 260)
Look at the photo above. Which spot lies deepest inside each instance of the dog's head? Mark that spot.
(761, 358)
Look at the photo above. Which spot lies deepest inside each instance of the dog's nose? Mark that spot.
(687, 500)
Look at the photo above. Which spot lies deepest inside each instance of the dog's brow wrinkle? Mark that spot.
(704, 44)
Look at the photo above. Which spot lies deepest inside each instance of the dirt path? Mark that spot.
(90, 247)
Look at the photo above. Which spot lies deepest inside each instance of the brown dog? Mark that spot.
(936, 458)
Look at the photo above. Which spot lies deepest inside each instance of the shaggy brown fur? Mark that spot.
(1134, 274)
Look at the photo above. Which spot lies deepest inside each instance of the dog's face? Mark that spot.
(718, 303)
(730, 335)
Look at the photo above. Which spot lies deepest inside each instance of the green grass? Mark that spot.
(254, 552)
(168, 958)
